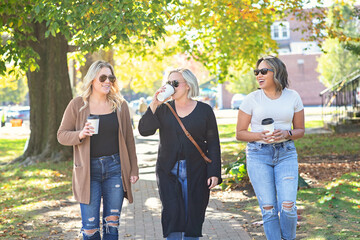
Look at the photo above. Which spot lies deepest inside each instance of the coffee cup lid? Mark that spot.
(267, 121)
(93, 117)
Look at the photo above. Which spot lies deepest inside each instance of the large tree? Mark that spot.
(39, 35)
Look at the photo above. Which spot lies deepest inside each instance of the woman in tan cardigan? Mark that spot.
(105, 163)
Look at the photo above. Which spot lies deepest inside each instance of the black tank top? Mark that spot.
(106, 142)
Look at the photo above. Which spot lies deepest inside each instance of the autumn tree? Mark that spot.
(40, 34)
(13, 88)
(336, 63)
(229, 35)
(340, 21)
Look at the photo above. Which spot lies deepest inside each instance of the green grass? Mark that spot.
(328, 144)
(27, 191)
(332, 212)
(9, 148)
(227, 130)
(314, 124)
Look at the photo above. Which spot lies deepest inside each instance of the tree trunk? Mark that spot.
(49, 93)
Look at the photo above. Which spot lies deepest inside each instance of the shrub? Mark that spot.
(236, 174)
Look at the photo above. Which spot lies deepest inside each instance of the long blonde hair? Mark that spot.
(114, 96)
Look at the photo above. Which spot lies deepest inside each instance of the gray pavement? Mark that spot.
(142, 219)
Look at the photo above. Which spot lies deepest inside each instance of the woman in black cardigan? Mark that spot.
(184, 178)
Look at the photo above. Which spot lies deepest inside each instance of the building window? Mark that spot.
(280, 31)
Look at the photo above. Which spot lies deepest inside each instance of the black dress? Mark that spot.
(174, 144)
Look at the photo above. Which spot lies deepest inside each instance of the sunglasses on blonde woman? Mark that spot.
(111, 78)
(263, 71)
(174, 83)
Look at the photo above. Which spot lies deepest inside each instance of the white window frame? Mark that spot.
(281, 27)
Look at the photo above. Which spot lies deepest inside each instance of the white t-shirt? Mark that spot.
(282, 109)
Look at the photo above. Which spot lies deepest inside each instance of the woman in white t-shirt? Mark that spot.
(271, 157)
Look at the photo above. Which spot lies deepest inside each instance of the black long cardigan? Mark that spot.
(201, 124)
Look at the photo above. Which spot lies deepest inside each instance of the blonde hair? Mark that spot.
(190, 79)
(114, 96)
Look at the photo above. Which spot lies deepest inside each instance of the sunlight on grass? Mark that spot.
(314, 124)
(10, 149)
(332, 211)
(26, 190)
(328, 144)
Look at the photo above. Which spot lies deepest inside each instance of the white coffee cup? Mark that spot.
(169, 90)
(268, 124)
(94, 122)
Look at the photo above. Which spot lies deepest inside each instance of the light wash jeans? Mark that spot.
(105, 181)
(273, 172)
(182, 177)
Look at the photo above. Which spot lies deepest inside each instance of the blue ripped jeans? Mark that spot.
(273, 172)
(182, 177)
(106, 182)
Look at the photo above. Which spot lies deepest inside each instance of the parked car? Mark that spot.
(22, 113)
(236, 100)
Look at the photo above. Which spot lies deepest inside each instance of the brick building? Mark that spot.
(300, 58)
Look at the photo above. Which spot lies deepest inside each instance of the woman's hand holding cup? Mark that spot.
(280, 134)
(155, 101)
(267, 137)
(88, 130)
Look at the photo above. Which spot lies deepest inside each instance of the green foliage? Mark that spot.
(339, 21)
(336, 63)
(344, 25)
(228, 36)
(15, 92)
(87, 25)
(236, 171)
(241, 82)
(147, 64)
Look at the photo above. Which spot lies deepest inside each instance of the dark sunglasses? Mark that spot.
(111, 78)
(174, 83)
(263, 71)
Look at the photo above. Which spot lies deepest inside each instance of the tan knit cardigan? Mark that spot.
(68, 134)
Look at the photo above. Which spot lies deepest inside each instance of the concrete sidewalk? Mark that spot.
(142, 219)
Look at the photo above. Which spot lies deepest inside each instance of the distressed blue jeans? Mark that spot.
(273, 172)
(105, 182)
(182, 177)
